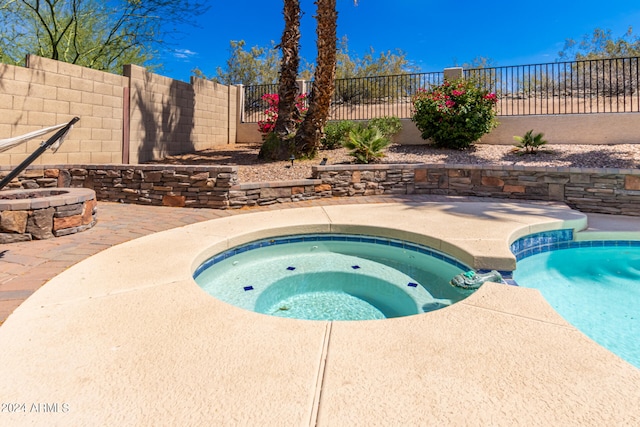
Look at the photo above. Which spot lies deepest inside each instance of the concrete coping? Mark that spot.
(43, 198)
(143, 167)
(276, 184)
(413, 166)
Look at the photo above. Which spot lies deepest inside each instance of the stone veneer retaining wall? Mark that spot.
(614, 191)
(160, 185)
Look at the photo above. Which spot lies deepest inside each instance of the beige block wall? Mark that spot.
(165, 116)
(47, 92)
(172, 117)
(588, 129)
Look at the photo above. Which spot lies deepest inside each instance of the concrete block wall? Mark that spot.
(48, 92)
(133, 118)
(169, 116)
(584, 129)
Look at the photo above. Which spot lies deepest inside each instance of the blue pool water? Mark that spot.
(597, 289)
(333, 277)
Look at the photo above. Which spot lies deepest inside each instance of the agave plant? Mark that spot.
(366, 144)
(530, 143)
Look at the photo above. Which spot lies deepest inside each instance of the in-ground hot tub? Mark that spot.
(45, 213)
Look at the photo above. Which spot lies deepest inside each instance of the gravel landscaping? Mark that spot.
(623, 156)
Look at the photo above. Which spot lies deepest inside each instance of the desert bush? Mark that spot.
(529, 143)
(267, 125)
(454, 114)
(388, 126)
(366, 144)
(335, 133)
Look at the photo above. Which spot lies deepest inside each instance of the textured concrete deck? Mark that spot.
(126, 337)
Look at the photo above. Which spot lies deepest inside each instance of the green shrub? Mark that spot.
(388, 126)
(335, 133)
(366, 144)
(529, 143)
(454, 114)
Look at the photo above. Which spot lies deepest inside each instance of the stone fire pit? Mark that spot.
(45, 213)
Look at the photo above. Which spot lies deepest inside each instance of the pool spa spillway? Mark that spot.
(333, 277)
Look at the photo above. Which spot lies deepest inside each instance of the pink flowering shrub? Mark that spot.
(267, 125)
(454, 114)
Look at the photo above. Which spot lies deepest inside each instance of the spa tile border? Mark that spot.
(336, 237)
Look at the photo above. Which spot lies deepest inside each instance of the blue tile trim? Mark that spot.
(329, 237)
(547, 241)
(541, 242)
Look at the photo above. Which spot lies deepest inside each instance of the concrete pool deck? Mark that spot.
(119, 340)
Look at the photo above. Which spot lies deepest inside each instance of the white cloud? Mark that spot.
(184, 54)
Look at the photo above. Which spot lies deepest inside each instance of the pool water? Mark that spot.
(596, 289)
(333, 277)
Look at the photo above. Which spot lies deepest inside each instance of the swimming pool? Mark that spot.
(594, 285)
(333, 277)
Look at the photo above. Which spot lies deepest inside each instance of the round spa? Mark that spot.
(333, 277)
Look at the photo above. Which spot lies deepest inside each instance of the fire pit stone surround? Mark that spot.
(45, 213)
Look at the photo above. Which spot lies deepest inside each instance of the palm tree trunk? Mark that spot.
(307, 139)
(288, 90)
(278, 148)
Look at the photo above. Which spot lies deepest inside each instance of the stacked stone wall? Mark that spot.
(614, 191)
(159, 185)
(264, 194)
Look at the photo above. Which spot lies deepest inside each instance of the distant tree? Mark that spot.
(602, 80)
(601, 44)
(92, 33)
(384, 64)
(479, 62)
(256, 66)
(259, 65)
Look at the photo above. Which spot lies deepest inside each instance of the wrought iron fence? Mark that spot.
(355, 98)
(578, 87)
(254, 105)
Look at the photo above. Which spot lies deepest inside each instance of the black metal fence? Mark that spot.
(254, 105)
(578, 87)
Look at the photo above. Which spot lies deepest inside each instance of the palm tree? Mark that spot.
(285, 125)
(307, 139)
(288, 90)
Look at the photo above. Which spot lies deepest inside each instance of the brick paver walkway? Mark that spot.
(26, 266)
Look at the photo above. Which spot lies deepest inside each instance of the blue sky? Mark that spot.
(434, 34)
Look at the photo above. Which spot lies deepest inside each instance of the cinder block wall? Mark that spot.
(172, 117)
(133, 118)
(48, 92)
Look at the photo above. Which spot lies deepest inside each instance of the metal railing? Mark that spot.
(254, 105)
(364, 98)
(578, 87)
